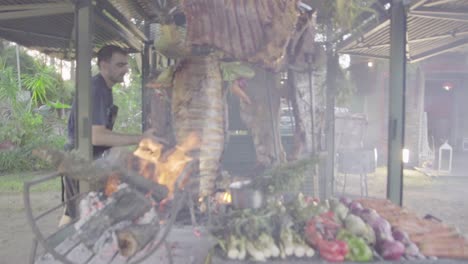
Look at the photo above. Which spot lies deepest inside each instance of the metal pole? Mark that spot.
(396, 126)
(145, 67)
(327, 185)
(18, 65)
(84, 39)
(312, 104)
(274, 118)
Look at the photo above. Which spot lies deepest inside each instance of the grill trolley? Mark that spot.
(66, 246)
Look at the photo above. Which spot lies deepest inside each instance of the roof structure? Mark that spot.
(48, 25)
(433, 26)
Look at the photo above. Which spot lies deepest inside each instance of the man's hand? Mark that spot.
(151, 134)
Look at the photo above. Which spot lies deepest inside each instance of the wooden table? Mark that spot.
(190, 245)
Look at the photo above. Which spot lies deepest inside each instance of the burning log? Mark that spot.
(101, 171)
(125, 204)
(167, 168)
(134, 238)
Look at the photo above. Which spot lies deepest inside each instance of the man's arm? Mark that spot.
(101, 136)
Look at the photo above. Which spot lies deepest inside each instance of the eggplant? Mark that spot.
(401, 236)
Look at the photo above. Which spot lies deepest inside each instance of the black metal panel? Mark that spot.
(52, 34)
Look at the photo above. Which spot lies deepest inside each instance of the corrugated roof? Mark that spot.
(434, 27)
(47, 25)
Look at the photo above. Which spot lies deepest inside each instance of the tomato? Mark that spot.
(332, 257)
(343, 247)
(329, 247)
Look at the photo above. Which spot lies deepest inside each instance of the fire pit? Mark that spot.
(130, 211)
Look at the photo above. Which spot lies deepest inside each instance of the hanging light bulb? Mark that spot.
(447, 86)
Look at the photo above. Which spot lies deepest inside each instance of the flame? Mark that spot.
(227, 198)
(112, 184)
(163, 168)
(223, 198)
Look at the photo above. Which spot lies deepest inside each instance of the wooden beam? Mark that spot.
(440, 50)
(106, 21)
(358, 38)
(459, 15)
(412, 41)
(35, 6)
(366, 55)
(366, 47)
(106, 5)
(34, 34)
(440, 2)
(36, 12)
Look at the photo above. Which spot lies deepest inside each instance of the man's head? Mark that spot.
(112, 63)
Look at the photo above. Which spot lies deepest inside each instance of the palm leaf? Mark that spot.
(41, 84)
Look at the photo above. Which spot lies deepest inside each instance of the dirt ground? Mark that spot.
(444, 198)
(16, 238)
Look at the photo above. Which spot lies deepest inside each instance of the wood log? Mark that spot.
(98, 171)
(158, 192)
(126, 204)
(134, 238)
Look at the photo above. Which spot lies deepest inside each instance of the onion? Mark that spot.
(356, 211)
(412, 250)
(355, 204)
(369, 215)
(355, 207)
(382, 229)
(391, 250)
(346, 200)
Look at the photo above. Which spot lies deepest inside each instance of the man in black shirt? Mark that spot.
(113, 65)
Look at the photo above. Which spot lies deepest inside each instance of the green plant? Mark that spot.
(284, 178)
(25, 121)
(128, 99)
(343, 14)
(42, 84)
(8, 84)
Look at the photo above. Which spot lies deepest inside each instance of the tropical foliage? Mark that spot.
(35, 114)
(128, 97)
(25, 123)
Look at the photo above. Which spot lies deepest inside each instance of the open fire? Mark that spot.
(123, 219)
(162, 167)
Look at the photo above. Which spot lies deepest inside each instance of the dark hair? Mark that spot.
(105, 53)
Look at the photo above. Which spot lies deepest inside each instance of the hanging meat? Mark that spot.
(218, 33)
(255, 31)
(198, 106)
